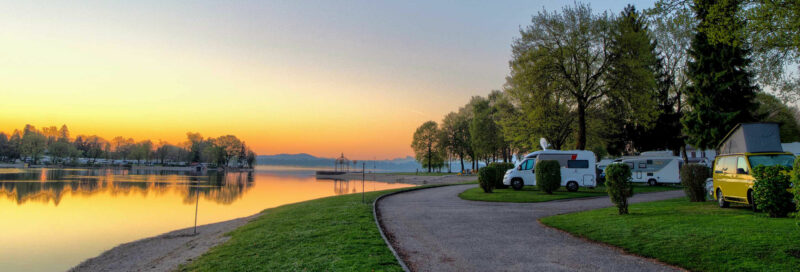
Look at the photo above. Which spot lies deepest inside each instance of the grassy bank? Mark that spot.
(532, 194)
(696, 236)
(329, 234)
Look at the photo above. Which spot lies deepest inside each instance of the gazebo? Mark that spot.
(342, 164)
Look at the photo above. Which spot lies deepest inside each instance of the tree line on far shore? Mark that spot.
(679, 73)
(31, 145)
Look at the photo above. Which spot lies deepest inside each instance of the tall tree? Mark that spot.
(673, 25)
(573, 52)
(483, 131)
(721, 92)
(640, 109)
(455, 131)
(425, 143)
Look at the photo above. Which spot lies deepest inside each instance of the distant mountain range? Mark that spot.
(407, 164)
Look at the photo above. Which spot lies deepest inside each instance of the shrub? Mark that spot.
(796, 184)
(693, 179)
(618, 185)
(548, 176)
(501, 168)
(486, 177)
(770, 191)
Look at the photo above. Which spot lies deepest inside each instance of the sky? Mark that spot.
(317, 77)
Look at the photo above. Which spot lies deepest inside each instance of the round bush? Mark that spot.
(770, 190)
(548, 176)
(501, 168)
(693, 179)
(486, 177)
(618, 185)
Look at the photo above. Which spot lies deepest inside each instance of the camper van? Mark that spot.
(654, 169)
(577, 169)
(746, 146)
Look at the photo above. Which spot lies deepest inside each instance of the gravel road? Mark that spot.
(435, 230)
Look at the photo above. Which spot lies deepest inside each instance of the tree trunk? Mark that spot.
(581, 141)
(429, 158)
(683, 154)
(462, 163)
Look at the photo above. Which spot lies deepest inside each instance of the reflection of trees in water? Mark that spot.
(45, 185)
(341, 187)
(223, 188)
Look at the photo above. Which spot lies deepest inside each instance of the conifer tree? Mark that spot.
(722, 92)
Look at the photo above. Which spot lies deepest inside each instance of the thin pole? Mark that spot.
(196, 203)
(363, 167)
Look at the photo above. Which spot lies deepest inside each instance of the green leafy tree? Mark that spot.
(772, 109)
(544, 110)
(721, 92)
(230, 147)
(634, 95)
(455, 135)
(33, 144)
(571, 50)
(425, 143)
(483, 130)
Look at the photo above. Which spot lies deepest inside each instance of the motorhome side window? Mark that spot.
(578, 164)
(529, 164)
(642, 165)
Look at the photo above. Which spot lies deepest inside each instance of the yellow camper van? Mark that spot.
(744, 148)
(733, 180)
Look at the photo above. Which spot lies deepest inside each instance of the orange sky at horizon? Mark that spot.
(354, 77)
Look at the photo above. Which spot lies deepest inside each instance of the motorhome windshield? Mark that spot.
(770, 160)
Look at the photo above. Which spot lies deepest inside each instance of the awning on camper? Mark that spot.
(752, 137)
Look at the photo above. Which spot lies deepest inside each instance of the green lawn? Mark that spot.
(532, 194)
(329, 234)
(695, 236)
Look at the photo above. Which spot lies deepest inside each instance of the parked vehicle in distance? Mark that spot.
(744, 148)
(577, 169)
(655, 170)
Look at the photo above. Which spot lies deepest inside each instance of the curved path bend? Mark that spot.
(434, 230)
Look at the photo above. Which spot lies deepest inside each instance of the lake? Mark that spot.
(52, 219)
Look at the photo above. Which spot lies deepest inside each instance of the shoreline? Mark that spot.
(163, 252)
(401, 178)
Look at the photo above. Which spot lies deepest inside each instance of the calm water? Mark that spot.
(51, 220)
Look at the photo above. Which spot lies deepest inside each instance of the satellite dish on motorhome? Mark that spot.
(543, 143)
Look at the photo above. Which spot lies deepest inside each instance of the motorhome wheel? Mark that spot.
(516, 184)
(652, 182)
(572, 186)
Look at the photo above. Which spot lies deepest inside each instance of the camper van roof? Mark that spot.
(555, 152)
(752, 138)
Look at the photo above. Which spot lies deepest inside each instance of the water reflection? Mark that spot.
(51, 185)
(52, 219)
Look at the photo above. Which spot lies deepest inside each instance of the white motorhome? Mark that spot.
(577, 169)
(655, 169)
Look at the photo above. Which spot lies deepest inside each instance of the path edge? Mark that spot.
(376, 216)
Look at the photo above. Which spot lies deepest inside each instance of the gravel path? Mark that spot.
(435, 230)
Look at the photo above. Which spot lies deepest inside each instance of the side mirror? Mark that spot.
(519, 167)
(740, 171)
